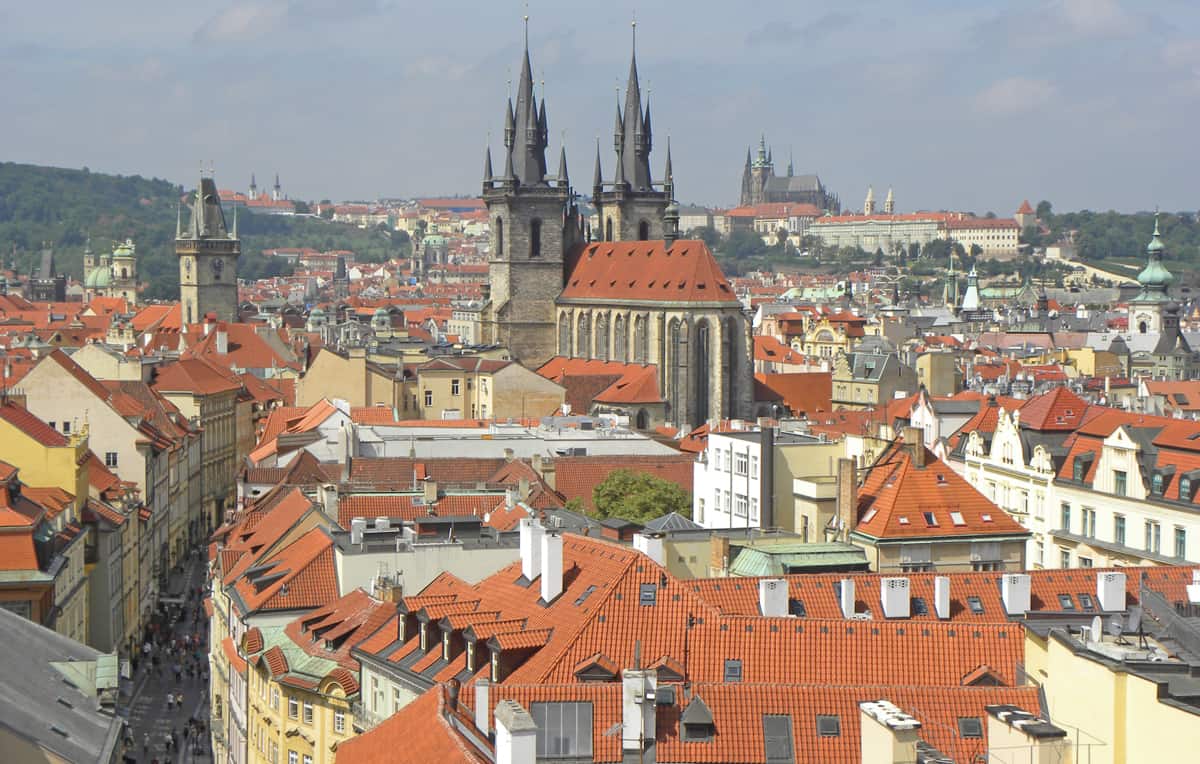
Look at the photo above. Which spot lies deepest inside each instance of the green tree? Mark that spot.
(743, 243)
(707, 234)
(639, 496)
(1044, 210)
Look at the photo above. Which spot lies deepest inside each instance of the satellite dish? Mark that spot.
(1135, 618)
(1115, 627)
(1097, 629)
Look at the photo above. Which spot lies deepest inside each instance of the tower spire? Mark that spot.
(597, 178)
(178, 221)
(563, 182)
(487, 165)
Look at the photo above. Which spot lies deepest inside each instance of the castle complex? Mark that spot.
(760, 185)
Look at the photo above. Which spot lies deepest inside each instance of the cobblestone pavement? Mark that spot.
(150, 718)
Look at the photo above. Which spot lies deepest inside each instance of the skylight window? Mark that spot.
(796, 608)
(733, 671)
(957, 518)
(970, 727)
(903, 520)
(648, 595)
(976, 605)
(1085, 601)
(829, 725)
(919, 607)
(1064, 601)
(986, 518)
(930, 520)
(869, 515)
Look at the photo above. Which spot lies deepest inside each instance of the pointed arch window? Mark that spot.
(535, 238)
(608, 236)
(499, 236)
(643, 231)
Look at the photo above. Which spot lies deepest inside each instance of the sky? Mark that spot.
(975, 105)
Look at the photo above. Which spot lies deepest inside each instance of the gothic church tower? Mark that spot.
(208, 254)
(629, 206)
(534, 223)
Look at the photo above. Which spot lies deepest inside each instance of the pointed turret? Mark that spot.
(618, 128)
(889, 204)
(597, 177)
(510, 125)
(563, 181)
(528, 151)
(791, 170)
(234, 233)
(487, 167)
(668, 175)
(649, 141)
(869, 204)
(178, 220)
(635, 145)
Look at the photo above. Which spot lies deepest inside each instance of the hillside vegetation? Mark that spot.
(65, 207)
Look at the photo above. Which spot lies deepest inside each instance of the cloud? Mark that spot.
(1094, 18)
(784, 32)
(1014, 95)
(243, 22)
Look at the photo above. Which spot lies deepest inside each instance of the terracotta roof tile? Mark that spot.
(648, 270)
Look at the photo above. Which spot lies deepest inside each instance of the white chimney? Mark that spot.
(651, 545)
(638, 689)
(1015, 591)
(1110, 591)
(357, 526)
(531, 548)
(895, 595)
(847, 597)
(941, 596)
(222, 339)
(482, 686)
(552, 565)
(773, 597)
(516, 734)
(887, 734)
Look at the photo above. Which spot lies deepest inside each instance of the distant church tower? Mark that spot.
(534, 223)
(630, 209)
(208, 254)
(1154, 279)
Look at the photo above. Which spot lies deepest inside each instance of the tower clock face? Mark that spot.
(218, 265)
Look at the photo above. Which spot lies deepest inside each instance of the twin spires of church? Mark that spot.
(526, 134)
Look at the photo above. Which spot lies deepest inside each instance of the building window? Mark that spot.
(1040, 554)
(307, 759)
(1085, 562)
(1156, 484)
(1066, 517)
(499, 236)
(275, 698)
(717, 459)
(1180, 542)
(1065, 561)
(428, 398)
(293, 757)
(754, 465)
(454, 387)
(700, 510)
(397, 702)
(564, 730)
(308, 712)
(66, 427)
(740, 464)
(1120, 482)
(1089, 522)
(339, 722)
(1119, 529)
(535, 238)
(1153, 537)
(110, 458)
(740, 505)
(274, 752)
(293, 708)
(753, 509)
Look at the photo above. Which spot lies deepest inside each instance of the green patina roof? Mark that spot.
(99, 277)
(299, 662)
(1155, 276)
(778, 559)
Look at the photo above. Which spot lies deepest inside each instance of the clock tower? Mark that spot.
(208, 254)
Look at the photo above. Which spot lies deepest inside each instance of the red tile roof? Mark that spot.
(35, 428)
(578, 476)
(1058, 410)
(419, 733)
(803, 393)
(900, 500)
(649, 270)
(198, 376)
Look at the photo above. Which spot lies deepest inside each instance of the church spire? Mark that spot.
(597, 177)
(487, 166)
(668, 174)
(563, 182)
(1155, 278)
(635, 148)
(528, 151)
(790, 170)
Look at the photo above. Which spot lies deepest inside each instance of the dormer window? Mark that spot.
(1156, 484)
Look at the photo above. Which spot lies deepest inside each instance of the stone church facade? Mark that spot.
(629, 292)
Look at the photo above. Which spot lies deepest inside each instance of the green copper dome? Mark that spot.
(99, 278)
(1155, 273)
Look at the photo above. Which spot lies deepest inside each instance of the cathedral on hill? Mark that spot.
(760, 184)
(629, 293)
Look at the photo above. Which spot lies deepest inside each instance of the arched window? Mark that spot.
(499, 236)
(643, 231)
(602, 337)
(1142, 327)
(620, 341)
(608, 230)
(535, 238)
(643, 420)
(640, 344)
(703, 350)
(564, 334)
(583, 348)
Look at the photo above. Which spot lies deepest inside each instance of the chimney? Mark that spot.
(222, 339)
(888, 735)
(652, 545)
(638, 690)
(531, 548)
(357, 526)
(941, 596)
(510, 497)
(846, 598)
(847, 497)
(766, 477)
(329, 501)
(914, 441)
(773, 597)
(552, 565)
(1016, 736)
(1015, 591)
(430, 488)
(895, 595)
(516, 734)
(1110, 592)
(482, 686)
(718, 558)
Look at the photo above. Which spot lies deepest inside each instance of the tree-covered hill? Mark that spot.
(65, 207)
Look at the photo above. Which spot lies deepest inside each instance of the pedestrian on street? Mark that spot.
(145, 743)
(170, 701)
(174, 738)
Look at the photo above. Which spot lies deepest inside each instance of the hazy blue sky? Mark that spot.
(957, 104)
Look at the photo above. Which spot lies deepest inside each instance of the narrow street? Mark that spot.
(152, 717)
